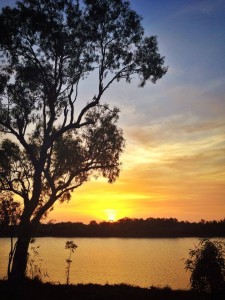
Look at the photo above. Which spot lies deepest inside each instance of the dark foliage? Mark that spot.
(10, 210)
(207, 266)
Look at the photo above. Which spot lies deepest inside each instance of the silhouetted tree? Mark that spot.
(71, 246)
(207, 266)
(10, 212)
(47, 48)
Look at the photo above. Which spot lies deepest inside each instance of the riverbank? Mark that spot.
(36, 290)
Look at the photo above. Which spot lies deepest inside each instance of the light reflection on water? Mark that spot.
(141, 262)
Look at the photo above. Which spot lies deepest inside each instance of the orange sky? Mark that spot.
(176, 177)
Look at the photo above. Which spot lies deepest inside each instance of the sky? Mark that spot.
(174, 161)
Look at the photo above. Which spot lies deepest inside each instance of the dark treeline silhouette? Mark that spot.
(127, 227)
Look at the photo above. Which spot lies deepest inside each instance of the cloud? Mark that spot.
(205, 7)
(177, 131)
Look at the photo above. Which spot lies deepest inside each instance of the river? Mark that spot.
(140, 262)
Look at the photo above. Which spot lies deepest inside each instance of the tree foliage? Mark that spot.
(10, 210)
(207, 266)
(56, 140)
(47, 48)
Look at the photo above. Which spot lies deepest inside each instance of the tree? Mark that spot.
(58, 142)
(10, 212)
(71, 246)
(207, 266)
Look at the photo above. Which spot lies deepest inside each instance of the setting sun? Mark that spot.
(111, 215)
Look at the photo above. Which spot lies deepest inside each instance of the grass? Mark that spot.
(35, 290)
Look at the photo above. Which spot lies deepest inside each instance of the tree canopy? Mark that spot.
(54, 139)
(207, 266)
(47, 48)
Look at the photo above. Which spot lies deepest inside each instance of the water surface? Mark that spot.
(143, 262)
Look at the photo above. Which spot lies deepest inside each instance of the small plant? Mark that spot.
(207, 266)
(34, 270)
(71, 246)
(10, 212)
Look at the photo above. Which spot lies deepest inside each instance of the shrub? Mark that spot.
(207, 266)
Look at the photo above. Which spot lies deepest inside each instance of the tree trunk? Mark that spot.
(11, 254)
(19, 264)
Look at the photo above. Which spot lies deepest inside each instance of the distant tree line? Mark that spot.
(127, 227)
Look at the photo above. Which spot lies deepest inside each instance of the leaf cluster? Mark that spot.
(71, 246)
(10, 210)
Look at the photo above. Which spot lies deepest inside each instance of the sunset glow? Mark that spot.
(111, 215)
(169, 172)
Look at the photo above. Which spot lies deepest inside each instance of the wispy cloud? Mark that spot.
(205, 7)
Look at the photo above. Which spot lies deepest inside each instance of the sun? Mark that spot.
(111, 215)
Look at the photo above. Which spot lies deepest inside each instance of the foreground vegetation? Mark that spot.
(36, 290)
